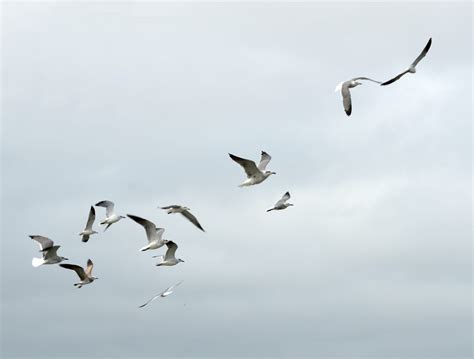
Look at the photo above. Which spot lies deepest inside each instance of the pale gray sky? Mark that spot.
(140, 103)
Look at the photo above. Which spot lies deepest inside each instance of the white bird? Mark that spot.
(412, 68)
(346, 94)
(49, 251)
(88, 231)
(109, 212)
(185, 211)
(282, 203)
(255, 174)
(169, 258)
(85, 275)
(163, 294)
(153, 234)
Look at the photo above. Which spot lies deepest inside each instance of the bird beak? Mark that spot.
(66, 259)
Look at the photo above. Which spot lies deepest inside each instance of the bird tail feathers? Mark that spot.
(36, 262)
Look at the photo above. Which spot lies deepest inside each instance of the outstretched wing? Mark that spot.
(44, 242)
(249, 166)
(394, 79)
(91, 219)
(169, 290)
(192, 219)
(109, 207)
(150, 228)
(367, 79)
(264, 159)
(79, 270)
(89, 268)
(346, 99)
(423, 53)
(173, 206)
(150, 300)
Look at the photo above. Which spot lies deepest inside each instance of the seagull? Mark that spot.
(49, 251)
(282, 203)
(85, 275)
(163, 294)
(346, 94)
(109, 212)
(255, 175)
(152, 233)
(412, 67)
(185, 212)
(87, 232)
(169, 259)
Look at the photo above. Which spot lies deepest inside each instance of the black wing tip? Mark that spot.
(287, 193)
(348, 112)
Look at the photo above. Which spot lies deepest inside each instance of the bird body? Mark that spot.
(185, 212)
(169, 258)
(85, 276)
(49, 251)
(282, 203)
(111, 217)
(346, 94)
(153, 234)
(255, 174)
(163, 294)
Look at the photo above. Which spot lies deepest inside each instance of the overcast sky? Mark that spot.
(139, 103)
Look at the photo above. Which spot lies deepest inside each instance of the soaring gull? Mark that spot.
(163, 294)
(88, 231)
(111, 217)
(169, 258)
(85, 275)
(412, 67)
(255, 174)
(185, 211)
(153, 234)
(282, 203)
(49, 251)
(346, 94)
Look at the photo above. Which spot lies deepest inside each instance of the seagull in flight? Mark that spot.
(88, 231)
(346, 94)
(185, 211)
(49, 251)
(169, 258)
(255, 174)
(282, 203)
(412, 68)
(153, 234)
(111, 217)
(85, 275)
(163, 294)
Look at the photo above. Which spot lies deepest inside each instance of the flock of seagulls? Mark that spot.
(256, 174)
(344, 86)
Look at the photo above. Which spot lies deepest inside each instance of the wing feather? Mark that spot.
(78, 269)
(192, 219)
(249, 166)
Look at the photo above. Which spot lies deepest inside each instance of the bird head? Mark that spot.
(268, 173)
(122, 217)
(64, 259)
(180, 260)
